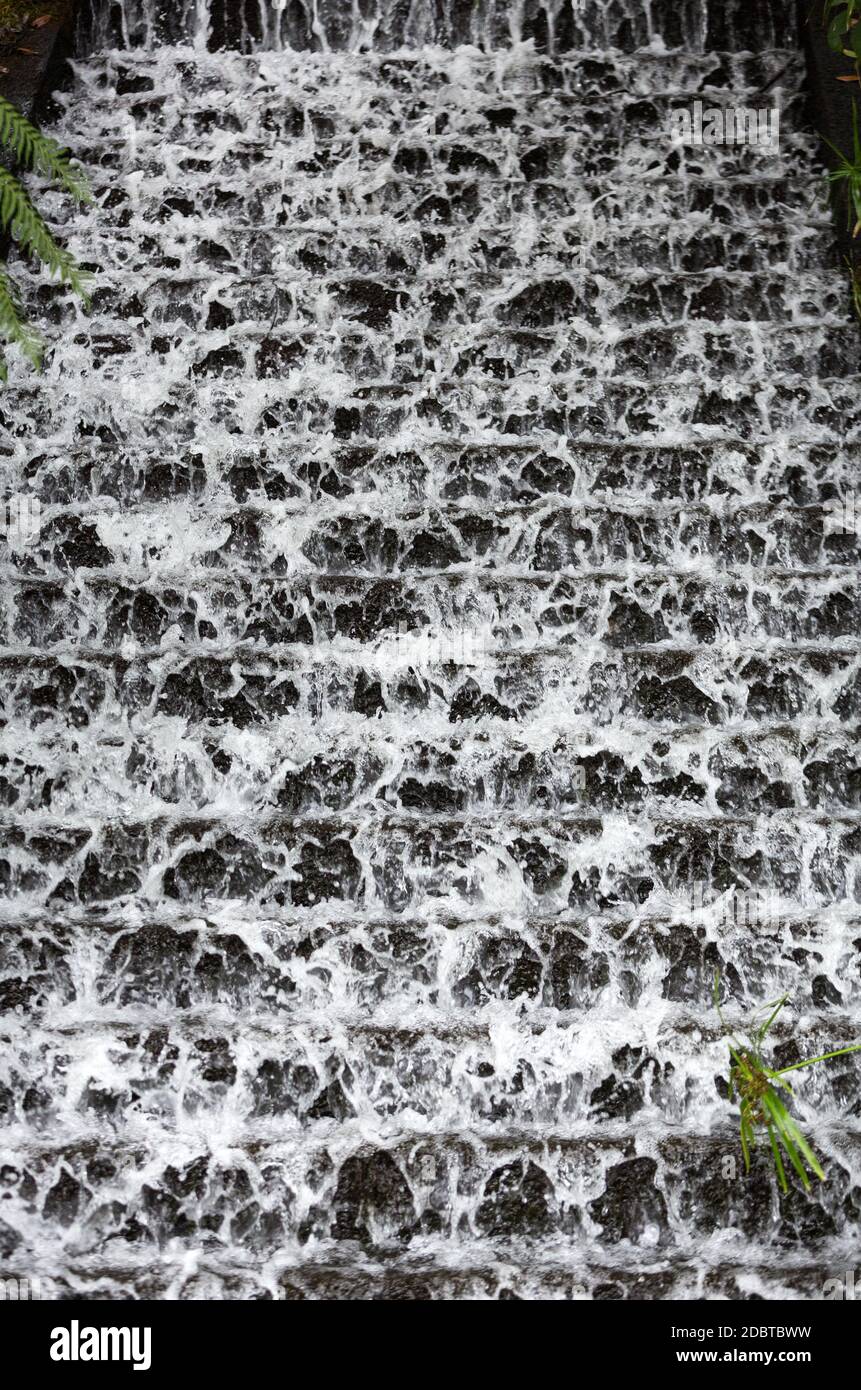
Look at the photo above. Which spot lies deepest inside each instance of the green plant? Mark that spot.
(848, 172)
(844, 30)
(19, 219)
(760, 1102)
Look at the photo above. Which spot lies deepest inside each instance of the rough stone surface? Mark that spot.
(439, 654)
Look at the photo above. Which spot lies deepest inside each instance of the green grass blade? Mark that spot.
(741, 1063)
(802, 1144)
(778, 1113)
(776, 1006)
(844, 161)
(716, 1000)
(744, 1131)
(778, 1161)
(826, 1056)
(835, 34)
(775, 1076)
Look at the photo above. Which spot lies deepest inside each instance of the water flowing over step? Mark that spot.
(440, 652)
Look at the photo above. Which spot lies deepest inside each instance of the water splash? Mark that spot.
(556, 26)
(439, 617)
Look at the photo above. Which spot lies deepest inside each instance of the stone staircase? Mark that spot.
(443, 618)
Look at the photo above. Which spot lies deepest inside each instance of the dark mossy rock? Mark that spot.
(373, 1200)
(631, 1205)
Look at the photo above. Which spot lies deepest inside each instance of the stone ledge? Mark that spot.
(30, 76)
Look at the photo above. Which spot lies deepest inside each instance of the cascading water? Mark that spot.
(444, 607)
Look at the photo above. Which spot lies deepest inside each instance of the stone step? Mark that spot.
(821, 411)
(445, 473)
(603, 243)
(595, 25)
(301, 357)
(482, 354)
(581, 1071)
(134, 774)
(436, 307)
(375, 181)
(740, 775)
(298, 357)
(577, 686)
(418, 77)
(573, 1196)
(371, 127)
(734, 200)
(446, 1278)
(572, 990)
(395, 861)
(459, 619)
(549, 539)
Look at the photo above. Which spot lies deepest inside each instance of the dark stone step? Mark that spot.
(666, 689)
(395, 862)
(514, 1197)
(432, 307)
(472, 173)
(358, 774)
(132, 77)
(556, 27)
(444, 1279)
(548, 139)
(446, 472)
(332, 977)
(427, 623)
(393, 257)
(761, 200)
(822, 411)
(485, 356)
(549, 540)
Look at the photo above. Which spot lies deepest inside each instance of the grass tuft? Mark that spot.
(848, 173)
(758, 1088)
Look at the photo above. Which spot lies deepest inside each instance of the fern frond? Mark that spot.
(33, 150)
(14, 326)
(18, 215)
(37, 151)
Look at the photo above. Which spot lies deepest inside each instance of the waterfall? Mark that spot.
(434, 652)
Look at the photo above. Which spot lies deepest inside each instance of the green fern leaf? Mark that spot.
(18, 215)
(39, 152)
(31, 150)
(14, 326)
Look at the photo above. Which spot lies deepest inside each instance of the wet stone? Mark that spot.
(631, 1207)
(437, 658)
